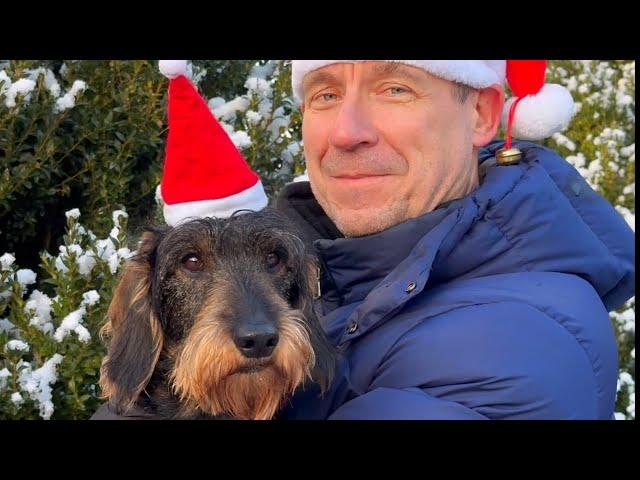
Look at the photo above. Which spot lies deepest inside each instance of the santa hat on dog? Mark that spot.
(204, 174)
(542, 109)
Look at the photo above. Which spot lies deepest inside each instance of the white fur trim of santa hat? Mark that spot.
(540, 116)
(253, 198)
(172, 68)
(474, 73)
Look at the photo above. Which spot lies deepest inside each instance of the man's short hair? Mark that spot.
(461, 92)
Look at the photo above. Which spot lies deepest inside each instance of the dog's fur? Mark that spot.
(170, 328)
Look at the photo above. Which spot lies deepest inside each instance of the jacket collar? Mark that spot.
(357, 265)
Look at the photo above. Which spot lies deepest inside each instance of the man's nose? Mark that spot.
(353, 127)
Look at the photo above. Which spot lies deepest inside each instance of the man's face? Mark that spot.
(385, 142)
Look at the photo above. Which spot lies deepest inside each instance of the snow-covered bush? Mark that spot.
(92, 134)
(50, 351)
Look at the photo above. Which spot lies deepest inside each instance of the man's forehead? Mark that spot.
(332, 72)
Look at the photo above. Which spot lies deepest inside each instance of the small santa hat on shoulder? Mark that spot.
(542, 109)
(204, 174)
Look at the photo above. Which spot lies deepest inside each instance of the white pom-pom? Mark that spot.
(172, 68)
(540, 116)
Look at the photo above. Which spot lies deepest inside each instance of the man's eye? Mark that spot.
(397, 90)
(192, 263)
(327, 97)
(324, 99)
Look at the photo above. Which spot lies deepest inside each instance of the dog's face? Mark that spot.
(222, 310)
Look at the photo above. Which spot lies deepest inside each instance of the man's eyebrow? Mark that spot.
(399, 70)
(381, 70)
(316, 78)
(385, 68)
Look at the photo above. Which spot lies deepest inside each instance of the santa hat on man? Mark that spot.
(542, 109)
(204, 173)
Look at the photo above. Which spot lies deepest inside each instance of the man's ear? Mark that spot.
(488, 108)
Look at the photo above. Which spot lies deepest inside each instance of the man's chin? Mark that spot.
(363, 222)
(355, 217)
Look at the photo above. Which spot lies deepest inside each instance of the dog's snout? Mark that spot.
(256, 340)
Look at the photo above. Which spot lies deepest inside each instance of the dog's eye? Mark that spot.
(192, 263)
(273, 261)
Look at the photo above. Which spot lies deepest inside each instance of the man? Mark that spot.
(456, 288)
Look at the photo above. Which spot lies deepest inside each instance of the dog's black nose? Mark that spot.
(256, 340)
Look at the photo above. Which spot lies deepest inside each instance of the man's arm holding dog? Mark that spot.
(523, 363)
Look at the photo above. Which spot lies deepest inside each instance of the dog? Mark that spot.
(214, 318)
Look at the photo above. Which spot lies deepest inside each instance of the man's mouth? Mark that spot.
(360, 176)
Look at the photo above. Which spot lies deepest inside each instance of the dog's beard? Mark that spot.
(211, 375)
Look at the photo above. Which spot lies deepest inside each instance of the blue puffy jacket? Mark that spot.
(493, 306)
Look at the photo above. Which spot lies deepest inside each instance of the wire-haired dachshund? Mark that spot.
(214, 318)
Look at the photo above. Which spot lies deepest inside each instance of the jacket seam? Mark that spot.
(599, 391)
(551, 316)
(495, 222)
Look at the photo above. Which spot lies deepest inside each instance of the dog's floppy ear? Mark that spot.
(135, 333)
(325, 353)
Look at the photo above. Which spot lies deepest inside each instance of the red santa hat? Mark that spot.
(204, 174)
(542, 109)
